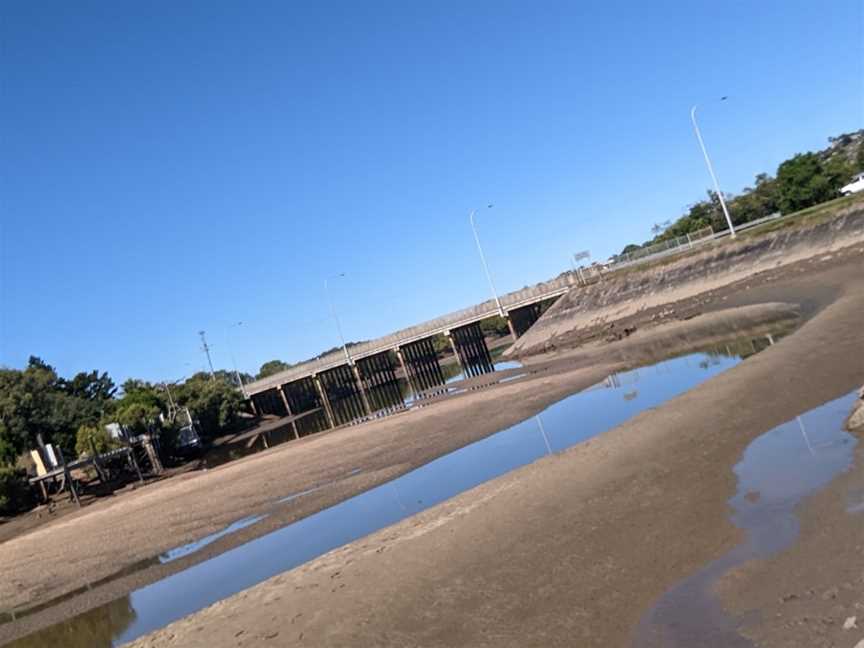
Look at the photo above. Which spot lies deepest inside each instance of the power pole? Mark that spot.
(207, 352)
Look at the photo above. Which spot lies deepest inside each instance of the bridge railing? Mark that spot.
(488, 308)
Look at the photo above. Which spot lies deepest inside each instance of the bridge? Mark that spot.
(345, 386)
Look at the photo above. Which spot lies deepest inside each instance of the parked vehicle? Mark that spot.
(855, 186)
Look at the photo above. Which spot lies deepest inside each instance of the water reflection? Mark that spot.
(777, 470)
(92, 629)
(563, 424)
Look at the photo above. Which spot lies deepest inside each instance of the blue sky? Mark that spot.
(169, 167)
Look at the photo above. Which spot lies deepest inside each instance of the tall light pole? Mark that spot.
(711, 169)
(233, 360)
(348, 358)
(206, 350)
(483, 261)
(336, 317)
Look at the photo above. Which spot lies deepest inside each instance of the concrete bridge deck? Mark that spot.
(510, 302)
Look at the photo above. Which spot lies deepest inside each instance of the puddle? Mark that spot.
(855, 502)
(777, 470)
(192, 547)
(574, 419)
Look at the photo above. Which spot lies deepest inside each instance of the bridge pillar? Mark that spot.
(377, 374)
(523, 318)
(344, 393)
(322, 396)
(288, 409)
(449, 336)
(470, 345)
(421, 364)
(303, 398)
(363, 395)
(510, 326)
(404, 366)
(268, 402)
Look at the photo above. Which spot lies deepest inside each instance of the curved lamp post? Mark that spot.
(711, 169)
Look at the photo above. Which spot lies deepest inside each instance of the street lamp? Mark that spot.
(711, 169)
(336, 317)
(483, 261)
(233, 359)
(348, 357)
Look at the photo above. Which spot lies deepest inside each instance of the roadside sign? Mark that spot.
(585, 254)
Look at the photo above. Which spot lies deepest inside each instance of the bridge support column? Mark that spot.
(363, 395)
(378, 376)
(470, 345)
(407, 373)
(509, 321)
(305, 401)
(268, 402)
(288, 409)
(422, 365)
(322, 396)
(344, 393)
(523, 318)
(449, 336)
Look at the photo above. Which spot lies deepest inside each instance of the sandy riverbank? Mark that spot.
(572, 549)
(615, 482)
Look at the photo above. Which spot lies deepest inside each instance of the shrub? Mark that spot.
(99, 437)
(15, 493)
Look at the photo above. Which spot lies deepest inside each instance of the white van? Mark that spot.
(855, 186)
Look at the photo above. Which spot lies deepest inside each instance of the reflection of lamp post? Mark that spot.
(543, 433)
(483, 261)
(804, 434)
(711, 169)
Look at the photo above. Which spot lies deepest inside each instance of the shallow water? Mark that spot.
(778, 469)
(563, 424)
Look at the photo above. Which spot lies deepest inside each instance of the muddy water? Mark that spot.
(570, 421)
(777, 470)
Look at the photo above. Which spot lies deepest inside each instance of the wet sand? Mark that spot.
(572, 549)
(623, 516)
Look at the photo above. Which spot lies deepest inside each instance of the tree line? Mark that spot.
(802, 181)
(71, 412)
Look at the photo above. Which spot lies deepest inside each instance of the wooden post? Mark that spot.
(67, 477)
(134, 462)
(97, 464)
(152, 455)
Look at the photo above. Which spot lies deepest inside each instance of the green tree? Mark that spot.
(803, 182)
(495, 325)
(755, 202)
(90, 436)
(139, 407)
(216, 404)
(272, 367)
(859, 156)
(839, 171)
(36, 401)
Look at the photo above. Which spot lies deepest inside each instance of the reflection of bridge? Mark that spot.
(344, 392)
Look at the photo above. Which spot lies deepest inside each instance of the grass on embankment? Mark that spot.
(804, 218)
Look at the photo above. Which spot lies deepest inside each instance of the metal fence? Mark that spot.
(664, 248)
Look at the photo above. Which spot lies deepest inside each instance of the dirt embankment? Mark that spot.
(637, 297)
